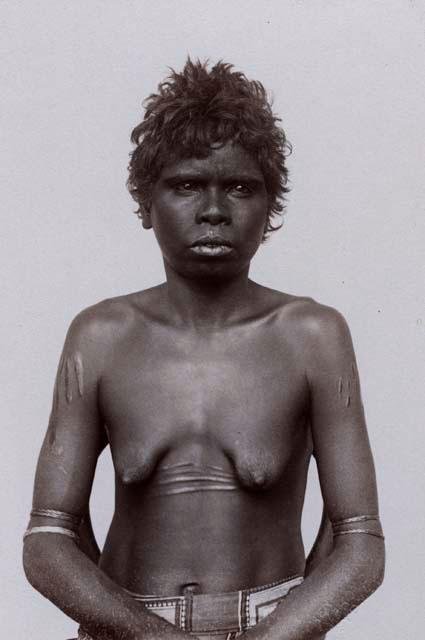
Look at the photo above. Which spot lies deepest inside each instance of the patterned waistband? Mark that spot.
(217, 613)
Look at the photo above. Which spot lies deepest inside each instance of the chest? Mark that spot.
(237, 403)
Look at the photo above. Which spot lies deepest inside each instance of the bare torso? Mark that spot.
(209, 434)
(211, 391)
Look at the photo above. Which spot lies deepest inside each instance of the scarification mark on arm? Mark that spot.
(52, 433)
(347, 384)
(74, 377)
(79, 372)
(55, 404)
(69, 385)
(348, 398)
(56, 390)
(68, 381)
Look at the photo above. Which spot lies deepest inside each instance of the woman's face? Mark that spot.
(209, 214)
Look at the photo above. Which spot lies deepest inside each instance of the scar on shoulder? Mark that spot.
(346, 383)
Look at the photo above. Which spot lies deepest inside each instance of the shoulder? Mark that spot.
(98, 327)
(109, 321)
(320, 331)
(317, 321)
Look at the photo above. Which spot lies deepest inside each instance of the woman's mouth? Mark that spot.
(211, 246)
(211, 249)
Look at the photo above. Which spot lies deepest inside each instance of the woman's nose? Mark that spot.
(213, 211)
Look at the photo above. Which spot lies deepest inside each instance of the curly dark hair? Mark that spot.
(198, 107)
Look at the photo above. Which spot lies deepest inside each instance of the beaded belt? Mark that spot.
(215, 613)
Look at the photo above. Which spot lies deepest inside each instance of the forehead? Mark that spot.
(224, 160)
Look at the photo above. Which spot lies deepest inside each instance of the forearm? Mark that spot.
(322, 546)
(56, 567)
(88, 543)
(335, 587)
(320, 550)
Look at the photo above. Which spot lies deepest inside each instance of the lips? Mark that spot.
(212, 241)
(213, 246)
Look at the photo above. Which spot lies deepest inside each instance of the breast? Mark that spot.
(247, 444)
(184, 471)
(211, 410)
(135, 463)
(259, 470)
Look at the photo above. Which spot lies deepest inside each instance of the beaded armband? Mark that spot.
(61, 530)
(354, 520)
(67, 518)
(58, 515)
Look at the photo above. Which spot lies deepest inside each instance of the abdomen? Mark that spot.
(192, 524)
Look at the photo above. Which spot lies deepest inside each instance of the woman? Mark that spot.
(212, 392)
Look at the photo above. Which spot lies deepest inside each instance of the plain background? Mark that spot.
(348, 80)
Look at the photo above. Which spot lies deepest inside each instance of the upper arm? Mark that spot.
(75, 435)
(341, 443)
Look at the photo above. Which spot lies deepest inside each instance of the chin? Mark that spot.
(212, 271)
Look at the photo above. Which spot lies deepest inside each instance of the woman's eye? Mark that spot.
(185, 187)
(241, 189)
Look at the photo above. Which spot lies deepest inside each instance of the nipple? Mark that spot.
(190, 588)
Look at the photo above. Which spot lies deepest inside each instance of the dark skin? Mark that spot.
(208, 368)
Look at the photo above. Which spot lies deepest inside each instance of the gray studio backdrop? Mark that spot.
(348, 80)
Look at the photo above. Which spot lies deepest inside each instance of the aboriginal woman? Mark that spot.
(213, 393)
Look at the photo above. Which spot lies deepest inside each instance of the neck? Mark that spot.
(208, 303)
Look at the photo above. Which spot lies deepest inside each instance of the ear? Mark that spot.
(146, 218)
(146, 221)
